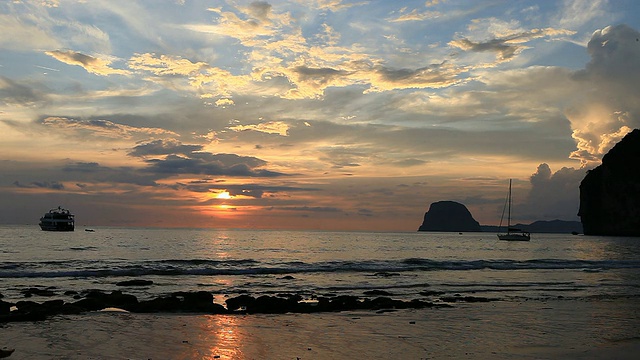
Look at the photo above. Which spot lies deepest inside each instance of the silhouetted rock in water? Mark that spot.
(448, 216)
(202, 302)
(610, 193)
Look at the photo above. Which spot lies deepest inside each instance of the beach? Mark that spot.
(557, 329)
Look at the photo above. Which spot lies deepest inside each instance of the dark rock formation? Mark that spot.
(202, 302)
(610, 193)
(448, 216)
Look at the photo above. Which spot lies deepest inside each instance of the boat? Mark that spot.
(512, 234)
(58, 220)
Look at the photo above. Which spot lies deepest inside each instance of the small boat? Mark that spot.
(58, 220)
(512, 233)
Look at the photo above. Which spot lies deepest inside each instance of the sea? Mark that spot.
(227, 263)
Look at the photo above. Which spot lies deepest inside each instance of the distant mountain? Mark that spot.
(448, 216)
(542, 226)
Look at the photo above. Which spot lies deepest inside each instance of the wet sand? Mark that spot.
(559, 329)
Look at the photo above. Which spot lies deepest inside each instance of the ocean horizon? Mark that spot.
(315, 263)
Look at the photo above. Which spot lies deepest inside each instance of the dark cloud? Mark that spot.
(554, 195)
(177, 158)
(365, 212)
(436, 75)
(12, 93)
(163, 147)
(100, 127)
(318, 75)
(86, 167)
(54, 185)
(123, 175)
(209, 164)
(260, 10)
(503, 50)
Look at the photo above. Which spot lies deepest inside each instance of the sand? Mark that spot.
(560, 329)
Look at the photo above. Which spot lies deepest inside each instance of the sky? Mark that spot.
(320, 114)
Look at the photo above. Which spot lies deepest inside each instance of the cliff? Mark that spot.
(610, 193)
(448, 216)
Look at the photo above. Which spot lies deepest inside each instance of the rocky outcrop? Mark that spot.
(448, 216)
(202, 302)
(610, 193)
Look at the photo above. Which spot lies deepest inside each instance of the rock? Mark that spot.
(98, 300)
(199, 302)
(273, 305)
(610, 193)
(137, 282)
(6, 352)
(242, 301)
(38, 292)
(5, 307)
(448, 216)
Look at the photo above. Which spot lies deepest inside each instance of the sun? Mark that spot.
(223, 195)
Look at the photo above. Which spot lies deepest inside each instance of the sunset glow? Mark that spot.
(223, 195)
(335, 115)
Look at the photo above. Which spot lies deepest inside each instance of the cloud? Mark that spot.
(165, 65)
(510, 44)
(209, 81)
(284, 63)
(212, 164)
(53, 185)
(271, 127)
(104, 128)
(163, 147)
(224, 102)
(13, 93)
(251, 190)
(24, 35)
(89, 63)
(337, 5)
(610, 108)
(416, 15)
(554, 195)
(174, 158)
(113, 176)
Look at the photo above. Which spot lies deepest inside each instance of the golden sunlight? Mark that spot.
(223, 195)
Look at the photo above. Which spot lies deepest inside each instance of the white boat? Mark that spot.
(58, 220)
(512, 233)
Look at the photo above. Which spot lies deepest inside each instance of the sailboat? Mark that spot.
(512, 234)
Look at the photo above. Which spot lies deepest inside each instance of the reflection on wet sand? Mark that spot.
(221, 338)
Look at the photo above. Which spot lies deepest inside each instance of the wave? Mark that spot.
(247, 267)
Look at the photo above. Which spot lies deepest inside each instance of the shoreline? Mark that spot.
(562, 329)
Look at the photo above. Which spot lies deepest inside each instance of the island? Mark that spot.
(449, 216)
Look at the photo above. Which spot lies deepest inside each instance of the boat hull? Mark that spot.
(514, 237)
(57, 227)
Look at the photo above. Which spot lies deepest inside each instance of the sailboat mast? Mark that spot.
(509, 211)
